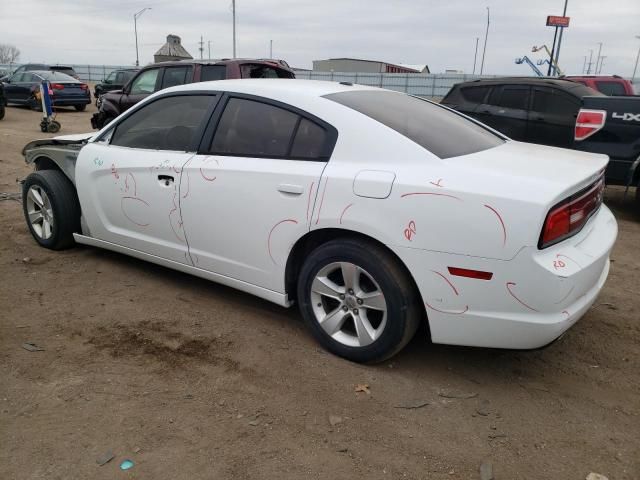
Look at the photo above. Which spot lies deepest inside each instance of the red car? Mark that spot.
(162, 75)
(612, 85)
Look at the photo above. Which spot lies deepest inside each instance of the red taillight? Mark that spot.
(465, 272)
(57, 86)
(569, 216)
(589, 122)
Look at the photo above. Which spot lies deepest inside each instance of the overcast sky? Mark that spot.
(439, 33)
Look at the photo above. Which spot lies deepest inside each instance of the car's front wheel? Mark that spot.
(51, 208)
(358, 301)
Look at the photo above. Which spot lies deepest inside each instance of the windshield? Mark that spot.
(443, 132)
(56, 76)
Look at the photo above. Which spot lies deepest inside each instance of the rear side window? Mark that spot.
(475, 94)
(251, 128)
(175, 76)
(309, 140)
(611, 88)
(213, 72)
(439, 130)
(252, 70)
(168, 123)
(552, 101)
(514, 97)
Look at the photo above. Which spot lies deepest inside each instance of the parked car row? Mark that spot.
(558, 112)
(23, 88)
(29, 67)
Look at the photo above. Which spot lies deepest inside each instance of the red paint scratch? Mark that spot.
(455, 290)
(343, 211)
(289, 220)
(124, 212)
(504, 229)
(509, 284)
(208, 179)
(566, 296)
(410, 231)
(430, 193)
(309, 199)
(437, 184)
(568, 258)
(174, 209)
(466, 309)
(126, 183)
(188, 184)
(322, 200)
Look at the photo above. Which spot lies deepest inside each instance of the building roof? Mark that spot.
(173, 48)
(417, 68)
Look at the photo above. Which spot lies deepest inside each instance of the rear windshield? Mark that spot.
(581, 90)
(59, 76)
(258, 70)
(444, 133)
(611, 88)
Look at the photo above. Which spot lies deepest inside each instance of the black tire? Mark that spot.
(404, 308)
(54, 127)
(80, 108)
(638, 197)
(2, 112)
(64, 206)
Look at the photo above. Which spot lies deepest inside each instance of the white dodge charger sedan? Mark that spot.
(372, 210)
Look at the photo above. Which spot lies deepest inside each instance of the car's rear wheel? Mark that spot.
(358, 301)
(80, 108)
(35, 104)
(2, 109)
(51, 208)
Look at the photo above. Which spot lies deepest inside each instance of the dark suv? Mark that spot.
(536, 110)
(114, 81)
(162, 75)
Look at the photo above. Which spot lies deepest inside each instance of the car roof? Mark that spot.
(275, 87)
(48, 73)
(558, 82)
(223, 61)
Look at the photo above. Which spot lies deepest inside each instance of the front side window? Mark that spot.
(437, 129)
(252, 128)
(514, 97)
(111, 78)
(213, 72)
(146, 82)
(555, 102)
(169, 123)
(175, 76)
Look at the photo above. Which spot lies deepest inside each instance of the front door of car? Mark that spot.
(143, 85)
(506, 110)
(18, 90)
(252, 189)
(552, 118)
(130, 182)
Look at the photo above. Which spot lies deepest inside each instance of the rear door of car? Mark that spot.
(176, 75)
(252, 187)
(130, 182)
(506, 110)
(552, 117)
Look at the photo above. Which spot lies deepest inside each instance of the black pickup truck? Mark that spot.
(559, 113)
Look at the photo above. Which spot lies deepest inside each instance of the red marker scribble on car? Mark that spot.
(287, 220)
(504, 229)
(512, 284)
(344, 211)
(410, 231)
(455, 291)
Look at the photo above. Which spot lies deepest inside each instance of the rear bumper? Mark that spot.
(67, 102)
(531, 299)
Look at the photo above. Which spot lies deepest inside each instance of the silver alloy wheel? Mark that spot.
(348, 304)
(40, 212)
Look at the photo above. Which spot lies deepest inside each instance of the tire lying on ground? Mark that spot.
(51, 208)
(358, 300)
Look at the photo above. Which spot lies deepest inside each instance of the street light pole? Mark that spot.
(484, 50)
(135, 29)
(475, 56)
(633, 77)
(564, 14)
(233, 6)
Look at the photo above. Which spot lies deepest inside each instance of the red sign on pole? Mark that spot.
(554, 21)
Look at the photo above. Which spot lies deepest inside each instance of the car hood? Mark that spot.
(533, 172)
(78, 138)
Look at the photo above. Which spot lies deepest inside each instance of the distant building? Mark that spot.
(365, 66)
(172, 50)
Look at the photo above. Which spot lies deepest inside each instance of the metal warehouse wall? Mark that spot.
(347, 65)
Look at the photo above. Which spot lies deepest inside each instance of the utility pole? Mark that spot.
(553, 49)
(233, 7)
(484, 50)
(270, 48)
(633, 77)
(564, 14)
(599, 71)
(584, 65)
(135, 29)
(201, 43)
(598, 57)
(475, 56)
(590, 62)
(209, 43)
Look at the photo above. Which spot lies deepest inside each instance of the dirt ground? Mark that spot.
(193, 380)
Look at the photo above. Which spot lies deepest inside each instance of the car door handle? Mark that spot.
(165, 180)
(288, 188)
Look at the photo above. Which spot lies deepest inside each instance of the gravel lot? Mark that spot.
(193, 380)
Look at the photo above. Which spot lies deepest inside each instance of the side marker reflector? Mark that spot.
(465, 272)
